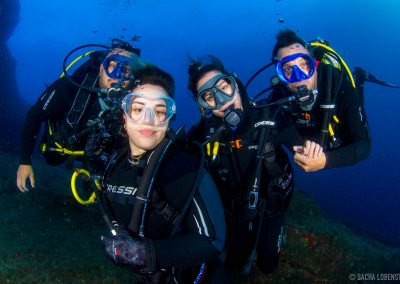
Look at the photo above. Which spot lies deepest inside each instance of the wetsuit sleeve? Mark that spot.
(54, 102)
(203, 234)
(354, 130)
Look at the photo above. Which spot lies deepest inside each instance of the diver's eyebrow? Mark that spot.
(161, 105)
(156, 105)
(221, 82)
(140, 103)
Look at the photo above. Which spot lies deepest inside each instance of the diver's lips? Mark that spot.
(147, 132)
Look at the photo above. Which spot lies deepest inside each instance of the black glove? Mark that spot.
(126, 250)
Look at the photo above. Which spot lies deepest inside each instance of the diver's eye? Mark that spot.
(136, 110)
(127, 71)
(304, 66)
(111, 66)
(160, 113)
(208, 96)
(287, 69)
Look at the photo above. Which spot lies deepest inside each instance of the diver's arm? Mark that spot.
(30, 131)
(53, 103)
(357, 146)
(204, 238)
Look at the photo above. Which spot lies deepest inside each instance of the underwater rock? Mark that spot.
(49, 227)
(12, 107)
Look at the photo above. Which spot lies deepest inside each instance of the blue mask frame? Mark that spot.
(122, 62)
(297, 75)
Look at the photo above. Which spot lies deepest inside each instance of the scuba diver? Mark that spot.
(72, 105)
(163, 210)
(323, 101)
(249, 166)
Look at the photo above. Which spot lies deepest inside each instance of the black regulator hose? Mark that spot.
(90, 89)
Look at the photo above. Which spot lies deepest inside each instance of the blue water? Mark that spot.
(242, 34)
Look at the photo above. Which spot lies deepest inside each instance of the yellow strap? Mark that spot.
(215, 149)
(92, 197)
(335, 118)
(330, 129)
(76, 60)
(341, 60)
(60, 149)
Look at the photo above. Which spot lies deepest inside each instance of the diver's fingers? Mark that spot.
(313, 147)
(307, 146)
(25, 171)
(298, 149)
(320, 150)
(299, 159)
(21, 184)
(32, 180)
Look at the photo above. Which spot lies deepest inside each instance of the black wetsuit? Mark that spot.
(54, 105)
(353, 142)
(201, 234)
(233, 168)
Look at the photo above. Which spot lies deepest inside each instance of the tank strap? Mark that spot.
(81, 100)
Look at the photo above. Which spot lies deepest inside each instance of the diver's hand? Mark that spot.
(310, 157)
(309, 149)
(24, 172)
(126, 250)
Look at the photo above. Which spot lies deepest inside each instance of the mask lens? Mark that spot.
(216, 92)
(226, 86)
(117, 67)
(208, 97)
(295, 68)
(140, 108)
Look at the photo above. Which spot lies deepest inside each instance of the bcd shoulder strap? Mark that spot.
(144, 192)
(81, 100)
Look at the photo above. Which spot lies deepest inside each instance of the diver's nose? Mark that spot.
(148, 116)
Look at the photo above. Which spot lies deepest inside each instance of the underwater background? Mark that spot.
(365, 196)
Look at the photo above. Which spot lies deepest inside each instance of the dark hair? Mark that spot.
(201, 66)
(285, 38)
(155, 76)
(119, 43)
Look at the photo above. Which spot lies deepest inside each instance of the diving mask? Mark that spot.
(216, 92)
(118, 67)
(295, 68)
(140, 108)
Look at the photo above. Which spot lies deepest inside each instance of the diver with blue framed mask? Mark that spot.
(322, 100)
(74, 104)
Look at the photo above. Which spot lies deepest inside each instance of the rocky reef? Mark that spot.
(47, 237)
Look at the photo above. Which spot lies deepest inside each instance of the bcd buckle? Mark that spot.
(253, 199)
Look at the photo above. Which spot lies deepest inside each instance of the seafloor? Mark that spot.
(47, 237)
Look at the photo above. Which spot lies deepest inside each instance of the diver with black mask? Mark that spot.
(324, 106)
(252, 172)
(73, 105)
